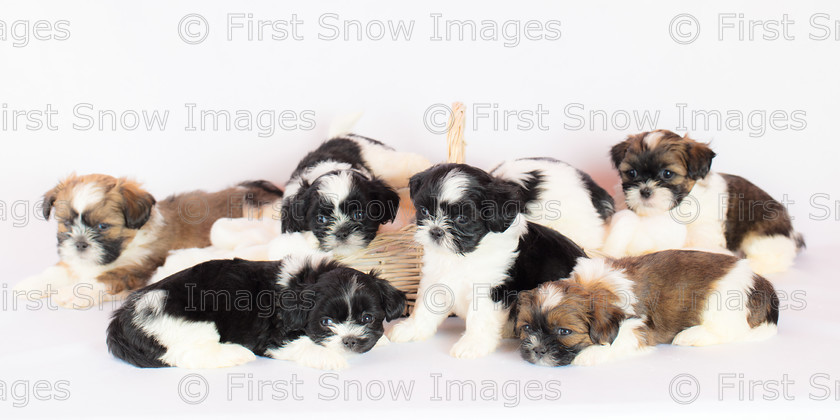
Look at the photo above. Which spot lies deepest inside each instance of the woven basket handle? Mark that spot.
(455, 144)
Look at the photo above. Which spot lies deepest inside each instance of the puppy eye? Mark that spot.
(367, 318)
(358, 215)
(526, 328)
(461, 219)
(564, 331)
(321, 219)
(424, 211)
(326, 322)
(666, 174)
(103, 226)
(67, 223)
(631, 173)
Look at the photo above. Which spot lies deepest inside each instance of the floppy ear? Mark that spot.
(504, 205)
(137, 205)
(296, 307)
(393, 300)
(698, 159)
(294, 209)
(387, 201)
(49, 201)
(521, 301)
(605, 319)
(618, 152)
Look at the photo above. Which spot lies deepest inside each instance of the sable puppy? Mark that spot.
(112, 234)
(344, 190)
(613, 309)
(309, 309)
(561, 197)
(668, 177)
(479, 252)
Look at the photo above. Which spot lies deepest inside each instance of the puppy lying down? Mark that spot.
(308, 309)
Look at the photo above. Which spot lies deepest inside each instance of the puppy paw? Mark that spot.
(215, 355)
(593, 355)
(697, 335)
(324, 360)
(469, 347)
(409, 330)
(75, 297)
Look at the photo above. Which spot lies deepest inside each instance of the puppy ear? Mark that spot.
(393, 299)
(296, 308)
(416, 181)
(521, 301)
(505, 204)
(137, 204)
(49, 202)
(618, 152)
(385, 202)
(605, 320)
(294, 209)
(698, 159)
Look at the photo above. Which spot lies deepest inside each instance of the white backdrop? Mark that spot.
(560, 79)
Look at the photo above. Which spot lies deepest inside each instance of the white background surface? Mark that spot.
(618, 57)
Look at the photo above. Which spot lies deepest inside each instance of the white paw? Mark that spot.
(593, 355)
(324, 360)
(34, 287)
(78, 297)
(408, 330)
(470, 347)
(216, 355)
(383, 341)
(697, 335)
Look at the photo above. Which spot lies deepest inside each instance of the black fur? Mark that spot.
(601, 199)
(260, 192)
(338, 149)
(248, 306)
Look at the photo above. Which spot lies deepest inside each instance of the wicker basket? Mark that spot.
(396, 255)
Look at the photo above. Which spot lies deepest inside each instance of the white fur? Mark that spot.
(294, 264)
(627, 343)
(769, 254)
(86, 196)
(660, 200)
(562, 189)
(453, 187)
(394, 167)
(594, 270)
(308, 353)
(461, 284)
(652, 139)
(631, 234)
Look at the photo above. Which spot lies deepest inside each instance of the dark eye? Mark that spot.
(358, 215)
(367, 318)
(326, 322)
(67, 223)
(564, 331)
(423, 211)
(631, 173)
(526, 328)
(321, 219)
(461, 219)
(666, 174)
(103, 226)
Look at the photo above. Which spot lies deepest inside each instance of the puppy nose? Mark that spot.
(341, 234)
(436, 232)
(540, 351)
(645, 192)
(81, 246)
(350, 342)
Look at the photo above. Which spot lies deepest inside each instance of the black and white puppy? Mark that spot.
(308, 309)
(479, 252)
(561, 197)
(344, 190)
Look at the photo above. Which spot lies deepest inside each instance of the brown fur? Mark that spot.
(751, 211)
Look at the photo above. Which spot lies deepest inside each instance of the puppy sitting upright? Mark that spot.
(112, 234)
(668, 184)
(344, 190)
(309, 309)
(479, 252)
(613, 309)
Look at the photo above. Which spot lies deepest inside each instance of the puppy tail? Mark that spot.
(259, 194)
(128, 342)
(343, 124)
(799, 240)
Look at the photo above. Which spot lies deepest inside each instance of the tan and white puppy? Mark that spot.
(112, 234)
(613, 309)
(678, 202)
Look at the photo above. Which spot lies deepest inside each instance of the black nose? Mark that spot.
(645, 192)
(540, 351)
(436, 232)
(350, 342)
(81, 246)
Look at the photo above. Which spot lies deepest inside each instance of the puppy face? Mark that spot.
(659, 168)
(559, 319)
(458, 205)
(343, 209)
(349, 309)
(98, 216)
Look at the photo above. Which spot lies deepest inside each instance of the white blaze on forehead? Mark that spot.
(86, 196)
(551, 296)
(295, 264)
(652, 139)
(336, 188)
(453, 187)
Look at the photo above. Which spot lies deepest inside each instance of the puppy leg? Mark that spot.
(622, 228)
(430, 310)
(627, 343)
(769, 254)
(306, 352)
(42, 285)
(81, 295)
(485, 324)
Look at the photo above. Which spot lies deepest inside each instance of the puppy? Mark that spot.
(112, 234)
(613, 309)
(479, 251)
(561, 197)
(344, 190)
(309, 309)
(668, 177)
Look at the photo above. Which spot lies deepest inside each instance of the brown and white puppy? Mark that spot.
(613, 309)
(112, 234)
(680, 203)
